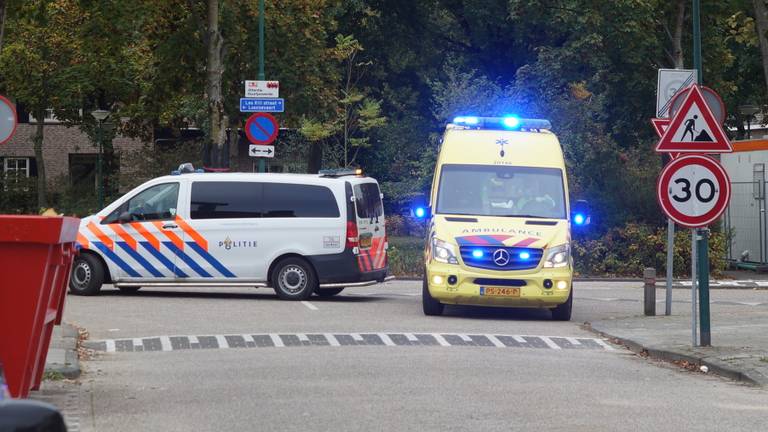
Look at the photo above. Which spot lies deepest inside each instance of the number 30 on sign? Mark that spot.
(693, 190)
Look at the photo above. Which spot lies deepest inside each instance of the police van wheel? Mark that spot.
(128, 289)
(430, 306)
(328, 292)
(563, 312)
(87, 275)
(294, 279)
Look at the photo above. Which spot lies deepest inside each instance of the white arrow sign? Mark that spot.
(261, 150)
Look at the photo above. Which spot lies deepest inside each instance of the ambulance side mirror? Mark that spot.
(580, 214)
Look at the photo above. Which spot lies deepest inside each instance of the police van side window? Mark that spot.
(283, 200)
(159, 202)
(225, 200)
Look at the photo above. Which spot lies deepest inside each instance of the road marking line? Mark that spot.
(411, 337)
(603, 344)
(138, 342)
(248, 338)
(519, 339)
(302, 337)
(495, 341)
(332, 341)
(465, 338)
(222, 341)
(573, 341)
(309, 305)
(550, 343)
(276, 340)
(193, 340)
(165, 343)
(441, 340)
(385, 338)
(110, 345)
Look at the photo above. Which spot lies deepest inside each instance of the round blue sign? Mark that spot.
(261, 128)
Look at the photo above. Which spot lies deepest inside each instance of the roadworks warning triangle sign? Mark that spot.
(694, 129)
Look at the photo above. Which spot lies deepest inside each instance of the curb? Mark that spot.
(677, 284)
(715, 366)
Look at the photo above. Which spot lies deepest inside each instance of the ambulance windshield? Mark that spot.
(510, 191)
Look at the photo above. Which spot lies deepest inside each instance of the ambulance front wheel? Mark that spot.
(430, 306)
(87, 275)
(294, 279)
(563, 312)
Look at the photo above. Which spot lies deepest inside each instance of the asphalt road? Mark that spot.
(239, 359)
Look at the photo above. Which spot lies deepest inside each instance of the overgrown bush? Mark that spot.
(626, 251)
(404, 226)
(18, 195)
(406, 256)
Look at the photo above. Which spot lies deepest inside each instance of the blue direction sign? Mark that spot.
(261, 128)
(262, 105)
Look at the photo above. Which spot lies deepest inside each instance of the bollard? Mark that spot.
(649, 296)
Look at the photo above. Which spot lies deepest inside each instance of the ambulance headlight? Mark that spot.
(558, 256)
(443, 252)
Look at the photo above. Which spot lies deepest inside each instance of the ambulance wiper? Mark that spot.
(526, 216)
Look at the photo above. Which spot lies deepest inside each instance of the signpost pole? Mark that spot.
(670, 264)
(703, 240)
(693, 287)
(262, 162)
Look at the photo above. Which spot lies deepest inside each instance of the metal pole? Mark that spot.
(696, 16)
(670, 265)
(694, 256)
(262, 76)
(261, 43)
(649, 291)
(100, 189)
(706, 337)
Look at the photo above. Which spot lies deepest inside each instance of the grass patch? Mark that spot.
(53, 376)
(406, 256)
(764, 359)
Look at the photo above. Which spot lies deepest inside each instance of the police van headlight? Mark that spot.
(443, 252)
(558, 256)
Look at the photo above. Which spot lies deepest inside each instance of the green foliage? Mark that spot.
(405, 256)
(627, 250)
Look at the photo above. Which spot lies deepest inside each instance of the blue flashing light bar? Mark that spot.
(510, 122)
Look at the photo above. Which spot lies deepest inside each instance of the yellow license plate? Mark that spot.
(499, 292)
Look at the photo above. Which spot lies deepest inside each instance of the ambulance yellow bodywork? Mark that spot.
(500, 220)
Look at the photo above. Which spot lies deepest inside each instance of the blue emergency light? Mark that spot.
(579, 219)
(477, 253)
(510, 122)
(525, 255)
(420, 212)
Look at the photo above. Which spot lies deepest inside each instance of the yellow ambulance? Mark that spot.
(499, 218)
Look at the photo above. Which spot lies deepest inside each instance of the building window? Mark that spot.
(17, 167)
(50, 117)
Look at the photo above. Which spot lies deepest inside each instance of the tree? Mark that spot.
(41, 46)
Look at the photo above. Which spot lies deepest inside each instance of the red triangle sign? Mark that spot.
(694, 129)
(660, 125)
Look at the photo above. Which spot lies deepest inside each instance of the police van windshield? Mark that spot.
(511, 191)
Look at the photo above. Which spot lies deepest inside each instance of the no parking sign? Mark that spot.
(261, 128)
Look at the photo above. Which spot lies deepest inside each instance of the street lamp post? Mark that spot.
(100, 115)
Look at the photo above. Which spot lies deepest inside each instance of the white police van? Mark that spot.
(299, 234)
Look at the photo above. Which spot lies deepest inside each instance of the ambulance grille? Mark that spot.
(501, 258)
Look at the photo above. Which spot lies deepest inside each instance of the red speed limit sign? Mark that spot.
(693, 190)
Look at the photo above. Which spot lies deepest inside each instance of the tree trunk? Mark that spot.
(315, 160)
(215, 70)
(234, 146)
(3, 14)
(37, 140)
(761, 19)
(677, 36)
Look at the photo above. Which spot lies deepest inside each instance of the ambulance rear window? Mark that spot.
(368, 200)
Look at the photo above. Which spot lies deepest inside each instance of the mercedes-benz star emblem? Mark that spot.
(501, 257)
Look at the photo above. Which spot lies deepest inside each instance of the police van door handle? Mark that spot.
(170, 226)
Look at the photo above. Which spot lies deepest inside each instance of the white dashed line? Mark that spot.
(332, 341)
(222, 341)
(573, 341)
(165, 343)
(440, 339)
(550, 343)
(385, 338)
(604, 345)
(519, 339)
(276, 340)
(309, 305)
(110, 345)
(495, 341)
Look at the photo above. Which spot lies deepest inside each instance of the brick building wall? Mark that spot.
(58, 144)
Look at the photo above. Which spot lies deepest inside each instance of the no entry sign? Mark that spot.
(261, 128)
(693, 190)
(7, 120)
